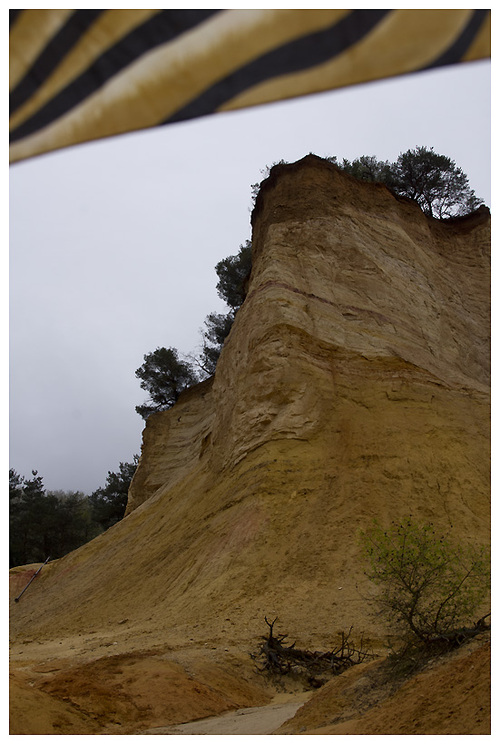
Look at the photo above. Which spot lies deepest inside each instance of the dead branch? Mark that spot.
(457, 637)
(277, 658)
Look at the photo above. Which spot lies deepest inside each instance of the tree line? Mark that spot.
(433, 181)
(52, 523)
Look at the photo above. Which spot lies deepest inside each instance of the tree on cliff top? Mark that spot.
(434, 181)
(232, 272)
(164, 375)
(217, 327)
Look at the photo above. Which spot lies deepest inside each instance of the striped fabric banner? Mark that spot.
(81, 75)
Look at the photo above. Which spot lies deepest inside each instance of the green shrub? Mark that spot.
(429, 588)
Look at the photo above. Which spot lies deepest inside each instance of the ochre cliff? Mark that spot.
(354, 384)
(349, 286)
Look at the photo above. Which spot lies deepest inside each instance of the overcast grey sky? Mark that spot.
(113, 247)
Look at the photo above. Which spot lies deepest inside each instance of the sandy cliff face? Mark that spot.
(354, 384)
(343, 274)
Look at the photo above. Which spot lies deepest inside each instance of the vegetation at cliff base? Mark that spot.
(109, 502)
(429, 589)
(52, 523)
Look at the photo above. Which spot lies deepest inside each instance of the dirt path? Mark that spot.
(245, 721)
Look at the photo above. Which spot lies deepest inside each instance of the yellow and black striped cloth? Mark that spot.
(80, 75)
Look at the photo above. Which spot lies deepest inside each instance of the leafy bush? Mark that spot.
(428, 586)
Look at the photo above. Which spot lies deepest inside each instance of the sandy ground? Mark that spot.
(129, 679)
(126, 693)
(245, 721)
(450, 695)
(195, 691)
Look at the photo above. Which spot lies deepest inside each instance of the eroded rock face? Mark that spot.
(172, 443)
(354, 384)
(365, 333)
